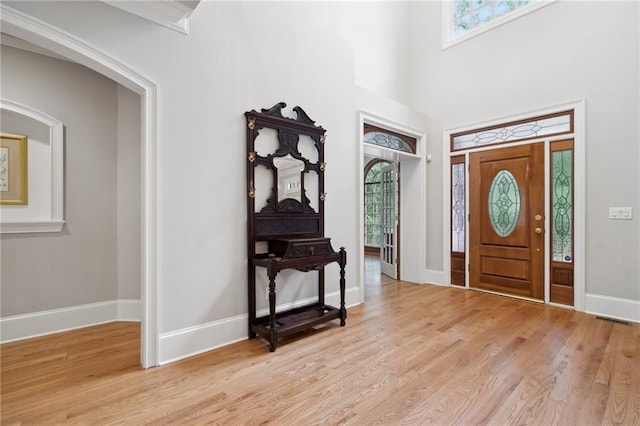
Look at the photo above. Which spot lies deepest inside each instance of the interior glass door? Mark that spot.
(389, 225)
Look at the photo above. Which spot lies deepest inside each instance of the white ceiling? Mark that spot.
(172, 14)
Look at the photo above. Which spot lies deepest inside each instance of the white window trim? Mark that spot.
(447, 22)
(55, 220)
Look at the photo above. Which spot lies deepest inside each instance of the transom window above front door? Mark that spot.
(545, 125)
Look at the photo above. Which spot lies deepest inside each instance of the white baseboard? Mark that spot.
(436, 277)
(35, 324)
(351, 297)
(174, 345)
(190, 341)
(612, 307)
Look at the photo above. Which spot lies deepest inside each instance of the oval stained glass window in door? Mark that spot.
(504, 203)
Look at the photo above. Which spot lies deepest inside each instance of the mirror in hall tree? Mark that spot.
(290, 175)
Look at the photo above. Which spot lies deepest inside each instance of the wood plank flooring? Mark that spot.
(410, 355)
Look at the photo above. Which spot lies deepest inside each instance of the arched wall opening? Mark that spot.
(39, 33)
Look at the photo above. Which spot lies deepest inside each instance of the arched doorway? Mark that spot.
(20, 25)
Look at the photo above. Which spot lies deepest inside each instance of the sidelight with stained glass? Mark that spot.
(562, 205)
(458, 207)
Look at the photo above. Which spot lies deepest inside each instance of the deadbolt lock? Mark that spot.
(538, 217)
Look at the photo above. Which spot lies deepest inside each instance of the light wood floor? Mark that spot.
(411, 354)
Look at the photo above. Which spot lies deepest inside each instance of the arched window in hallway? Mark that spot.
(373, 205)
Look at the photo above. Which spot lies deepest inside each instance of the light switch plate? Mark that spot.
(622, 213)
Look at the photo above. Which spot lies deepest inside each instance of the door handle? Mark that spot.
(538, 230)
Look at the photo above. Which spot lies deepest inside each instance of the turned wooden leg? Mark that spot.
(272, 303)
(273, 335)
(343, 309)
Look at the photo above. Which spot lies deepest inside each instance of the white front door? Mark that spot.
(389, 245)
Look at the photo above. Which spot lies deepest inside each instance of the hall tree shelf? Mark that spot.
(287, 230)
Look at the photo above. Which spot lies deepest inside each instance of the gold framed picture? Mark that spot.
(13, 170)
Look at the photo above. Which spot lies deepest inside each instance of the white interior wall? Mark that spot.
(129, 195)
(379, 38)
(560, 53)
(41, 272)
